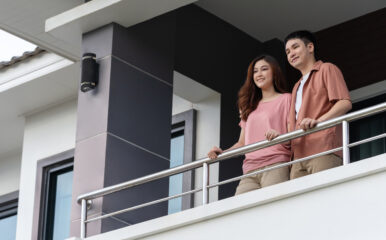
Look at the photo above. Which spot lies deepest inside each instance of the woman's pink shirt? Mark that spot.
(267, 115)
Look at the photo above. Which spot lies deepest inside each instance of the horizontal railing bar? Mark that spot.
(275, 167)
(235, 152)
(141, 180)
(143, 205)
(363, 112)
(238, 178)
(241, 177)
(367, 140)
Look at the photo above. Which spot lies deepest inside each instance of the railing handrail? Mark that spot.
(233, 153)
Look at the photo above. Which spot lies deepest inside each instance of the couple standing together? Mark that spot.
(266, 111)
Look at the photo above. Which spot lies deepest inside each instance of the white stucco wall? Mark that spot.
(47, 133)
(207, 103)
(208, 135)
(10, 164)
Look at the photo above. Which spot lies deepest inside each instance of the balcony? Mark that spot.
(346, 202)
(342, 203)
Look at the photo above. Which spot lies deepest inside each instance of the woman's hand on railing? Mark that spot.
(271, 134)
(214, 152)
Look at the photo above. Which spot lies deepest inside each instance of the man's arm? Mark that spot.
(337, 91)
(340, 107)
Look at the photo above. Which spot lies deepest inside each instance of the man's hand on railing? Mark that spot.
(308, 123)
(214, 152)
(340, 108)
(271, 134)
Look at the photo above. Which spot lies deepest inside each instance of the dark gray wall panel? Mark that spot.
(356, 47)
(140, 108)
(93, 105)
(275, 48)
(148, 45)
(132, 105)
(126, 162)
(89, 167)
(99, 41)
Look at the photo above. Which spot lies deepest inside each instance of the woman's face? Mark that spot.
(262, 75)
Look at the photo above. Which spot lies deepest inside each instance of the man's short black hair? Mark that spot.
(306, 36)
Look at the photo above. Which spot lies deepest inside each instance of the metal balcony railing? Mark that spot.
(85, 199)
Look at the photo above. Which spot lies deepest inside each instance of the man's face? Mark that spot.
(298, 54)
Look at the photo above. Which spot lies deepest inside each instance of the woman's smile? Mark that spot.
(262, 75)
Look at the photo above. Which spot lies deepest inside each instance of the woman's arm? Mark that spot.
(215, 151)
(271, 134)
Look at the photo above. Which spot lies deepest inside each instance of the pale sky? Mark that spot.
(11, 46)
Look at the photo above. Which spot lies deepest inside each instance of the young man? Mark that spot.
(320, 94)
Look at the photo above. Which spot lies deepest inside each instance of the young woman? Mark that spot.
(264, 106)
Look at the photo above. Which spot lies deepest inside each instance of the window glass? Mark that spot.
(62, 206)
(57, 204)
(8, 228)
(176, 181)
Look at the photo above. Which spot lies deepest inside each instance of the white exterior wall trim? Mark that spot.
(248, 200)
(32, 69)
(368, 91)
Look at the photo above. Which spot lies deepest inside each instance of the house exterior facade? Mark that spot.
(168, 76)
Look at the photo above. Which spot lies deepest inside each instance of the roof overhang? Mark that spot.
(59, 27)
(70, 25)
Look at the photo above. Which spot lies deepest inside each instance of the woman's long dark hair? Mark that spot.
(250, 95)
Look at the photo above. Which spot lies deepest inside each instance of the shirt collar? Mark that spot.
(316, 66)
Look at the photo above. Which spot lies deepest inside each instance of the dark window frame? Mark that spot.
(9, 204)
(186, 121)
(45, 166)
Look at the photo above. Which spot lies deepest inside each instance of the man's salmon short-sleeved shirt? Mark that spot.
(324, 87)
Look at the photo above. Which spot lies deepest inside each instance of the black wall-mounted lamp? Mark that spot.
(89, 78)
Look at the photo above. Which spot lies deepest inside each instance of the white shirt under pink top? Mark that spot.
(268, 115)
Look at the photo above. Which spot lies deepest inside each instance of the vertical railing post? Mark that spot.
(205, 183)
(346, 140)
(83, 215)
